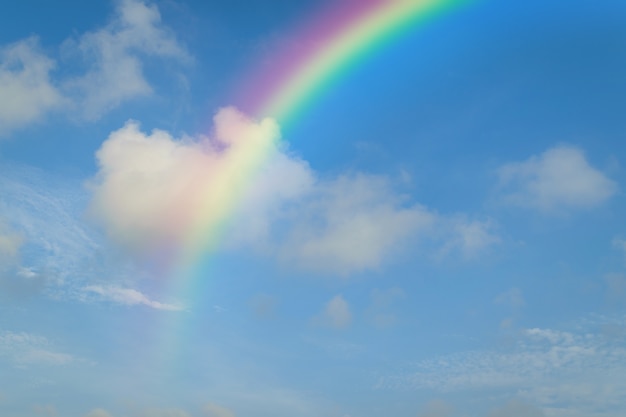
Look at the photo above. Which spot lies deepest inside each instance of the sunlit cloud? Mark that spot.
(560, 178)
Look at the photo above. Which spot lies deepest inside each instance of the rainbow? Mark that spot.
(326, 47)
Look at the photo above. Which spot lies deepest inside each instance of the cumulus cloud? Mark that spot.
(214, 410)
(25, 78)
(336, 314)
(128, 297)
(351, 223)
(153, 189)
(114, 57)
(560, 178)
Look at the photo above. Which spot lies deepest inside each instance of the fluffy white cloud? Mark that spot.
(214, 410)
(558, 179)
(128, 297)
(114, 55)
(336, 314)
(25, 86)
(154, 188)
(350, 224)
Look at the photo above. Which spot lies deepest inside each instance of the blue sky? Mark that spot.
(441, 234)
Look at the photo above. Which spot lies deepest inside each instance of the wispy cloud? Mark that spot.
(23, 349)
(581, 368)
(560, 178)
(128, 297)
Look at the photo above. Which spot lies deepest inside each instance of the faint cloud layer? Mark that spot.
(23, 349)
(112, 57)
(558, 179)
(537, 367)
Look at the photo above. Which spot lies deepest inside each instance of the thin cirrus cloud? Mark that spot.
(113, 57)
(152, 187)
(559, 179)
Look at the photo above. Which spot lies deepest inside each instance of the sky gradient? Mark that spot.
(432, 230)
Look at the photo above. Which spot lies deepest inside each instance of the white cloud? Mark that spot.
(154, 189)
(558, 179)
(468, 237)
(114, 55)
(25, 85)
(352, 223)
(27, 349)
(336, 314)
(214, 410)
(128, 297)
